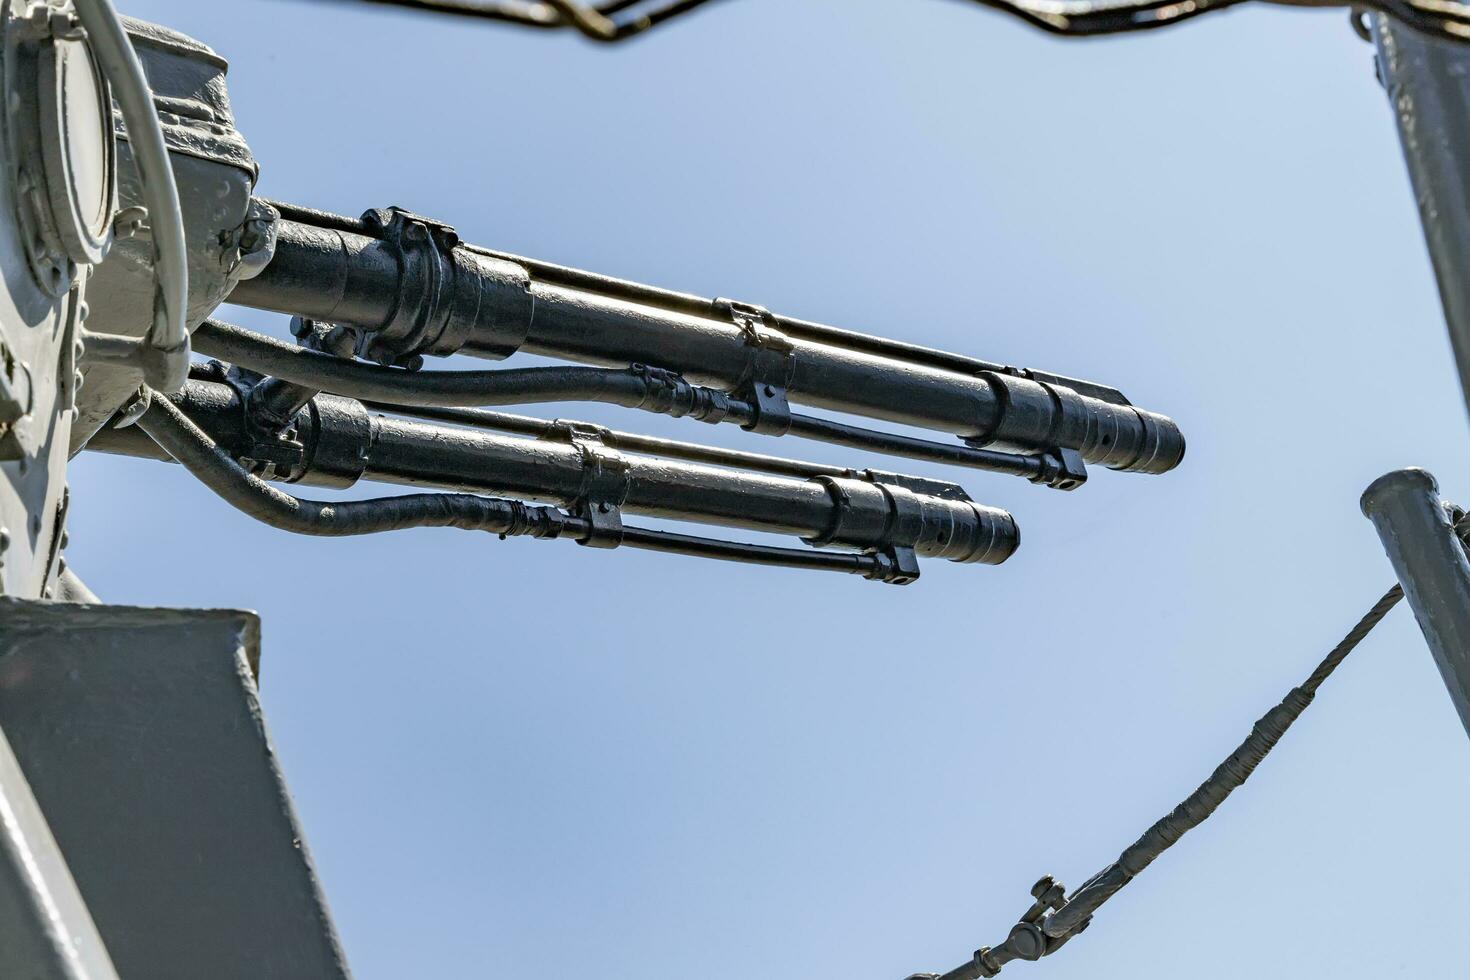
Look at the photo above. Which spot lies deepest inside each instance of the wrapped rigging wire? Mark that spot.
(1068, 18)
(1056, 917)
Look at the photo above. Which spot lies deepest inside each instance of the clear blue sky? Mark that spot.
(527, 759)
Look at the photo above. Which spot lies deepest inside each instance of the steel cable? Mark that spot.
(1040, 934)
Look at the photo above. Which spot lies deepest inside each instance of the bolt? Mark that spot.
(1027, 942)
(129, 221)
(66, 27)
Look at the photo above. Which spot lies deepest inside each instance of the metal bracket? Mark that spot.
(1091, 389)
(1035, 409)
(55, 564)
(896, 566)
(248, 249)
(15, 404)
(428, 282)
(918, 484)
(1027, 940)
(768, 365)
(271, 404)
(1061, 469)
(275, 453)
(446, 294)
(897, 563)
(604, 487)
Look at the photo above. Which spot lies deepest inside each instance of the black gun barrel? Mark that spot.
(414, 289)
(341, 441)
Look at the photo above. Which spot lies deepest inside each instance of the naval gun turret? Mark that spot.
(373, 299)
(128, 216)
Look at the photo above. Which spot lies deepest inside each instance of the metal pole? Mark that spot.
(1428, 85)
(1430, 563)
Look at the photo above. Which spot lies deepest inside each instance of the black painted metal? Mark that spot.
(650, 389)
(298, 373)
(1428, 89)
(330, 272)
(476, 418)
(1429, 557)
(338, 441)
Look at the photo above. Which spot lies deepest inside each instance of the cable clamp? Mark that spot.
(769, 363)
(604, 486)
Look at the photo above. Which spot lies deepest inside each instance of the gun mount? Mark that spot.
(373, 297)
(124, 230)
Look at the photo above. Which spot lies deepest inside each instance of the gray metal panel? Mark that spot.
(46, 932)
(141, 735)
(1431, 565)
(37, 333)
(215, 173)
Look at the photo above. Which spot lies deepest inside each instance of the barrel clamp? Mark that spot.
(604, 486)
(897, 562)
(426, 307)
(275, 449)
(769, 362)
(1032, 414)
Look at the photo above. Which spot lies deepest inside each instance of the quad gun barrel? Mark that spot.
(372, 297)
